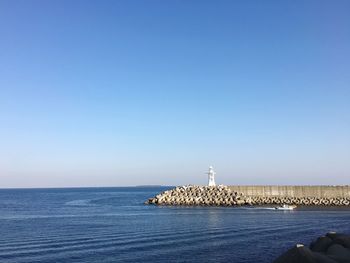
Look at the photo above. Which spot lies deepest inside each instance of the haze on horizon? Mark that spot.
(115, 93)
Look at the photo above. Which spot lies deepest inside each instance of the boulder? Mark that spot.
(297, 254)
(302, 254)
(332, 248)
(321, 244)
(334, 235)
(322, 258)
(342, 240)
(339, 253)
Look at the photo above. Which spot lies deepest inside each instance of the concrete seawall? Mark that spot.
(293, 191)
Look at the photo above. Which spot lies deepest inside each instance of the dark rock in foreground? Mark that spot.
(332, 248)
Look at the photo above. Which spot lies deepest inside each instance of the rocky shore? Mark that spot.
(331, 248)
(223, 196)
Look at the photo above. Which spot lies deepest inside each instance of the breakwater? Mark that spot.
(253, 195)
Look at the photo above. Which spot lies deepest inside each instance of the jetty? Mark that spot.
(236, 195)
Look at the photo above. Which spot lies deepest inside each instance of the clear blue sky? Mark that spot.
(109, 93)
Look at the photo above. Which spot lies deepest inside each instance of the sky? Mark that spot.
(119, 93)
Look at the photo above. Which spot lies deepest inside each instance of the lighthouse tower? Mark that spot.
(211, 175)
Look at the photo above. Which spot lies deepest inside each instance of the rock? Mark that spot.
(333, 235)
(342, 240)
(325, 249)
(321, 258)
(302, 254)
(297, 254)
(321, 244)
(339, 253)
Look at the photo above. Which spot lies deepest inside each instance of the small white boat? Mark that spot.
(285, 207)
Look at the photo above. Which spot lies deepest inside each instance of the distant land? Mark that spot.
(153, 185)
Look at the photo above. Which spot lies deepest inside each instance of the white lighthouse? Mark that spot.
(211, 176)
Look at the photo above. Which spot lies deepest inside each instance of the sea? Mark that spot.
(114, 225)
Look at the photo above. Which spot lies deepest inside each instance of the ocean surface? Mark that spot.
(113, 225)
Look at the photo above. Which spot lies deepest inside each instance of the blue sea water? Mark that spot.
(113, 225)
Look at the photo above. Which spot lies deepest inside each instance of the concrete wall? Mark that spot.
(293, 191)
